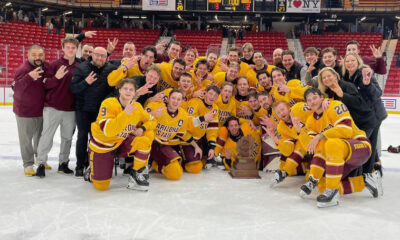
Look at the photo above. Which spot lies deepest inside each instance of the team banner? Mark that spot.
(230, 5)
(298, 6)
(159, 5)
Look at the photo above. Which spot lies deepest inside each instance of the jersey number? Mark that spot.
(340, 109)
(103, 111)
(190, 110)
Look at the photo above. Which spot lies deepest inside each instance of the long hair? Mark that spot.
(321, 85)
(359, 60)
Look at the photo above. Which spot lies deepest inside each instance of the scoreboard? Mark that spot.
(230, 5)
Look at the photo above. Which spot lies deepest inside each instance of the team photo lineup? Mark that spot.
(168, 110)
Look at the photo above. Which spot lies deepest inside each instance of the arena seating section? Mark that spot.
(265, 42)
(139, 37)
(338, 40)
(18, 36)
(199, 39)
(393, 79)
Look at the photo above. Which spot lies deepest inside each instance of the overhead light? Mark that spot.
(331, 20)
(245, 18)
(8, 4)
(283, 18)
(180, 17)
(143, 17)
(398, 17)
(216, 17)
(363, 18)
(116, 13)
(101, 14)
(45, 9)
(67, 13)
(131, 17)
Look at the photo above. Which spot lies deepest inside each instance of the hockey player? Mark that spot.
(235, 133)
(287, 140)
(243, 109)
(170, 74)
(226, 104)
(170, 132)
(268, 120)
(291, 92)
(203, 126)
(125, 129)
(264, 81)
(134, 66)
(184, 84)
(338, 141)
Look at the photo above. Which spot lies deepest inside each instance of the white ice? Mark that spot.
(209, 205)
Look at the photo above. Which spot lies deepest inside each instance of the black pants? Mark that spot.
(83, 122)
(372, 135)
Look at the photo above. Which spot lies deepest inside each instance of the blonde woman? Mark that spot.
(361, 76)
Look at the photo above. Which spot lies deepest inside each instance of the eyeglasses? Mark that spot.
(100, 55)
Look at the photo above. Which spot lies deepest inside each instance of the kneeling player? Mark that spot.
(339, 143)
(288, 143)
(235, 133)
(124, 129)
(171, 130)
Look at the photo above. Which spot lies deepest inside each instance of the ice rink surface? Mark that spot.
(209, 205)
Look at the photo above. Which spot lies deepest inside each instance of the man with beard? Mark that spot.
(89, 86)
(29, 94)
(277, 57)
(133, 66)
(86, 51)
(264, 81)
(170, 74)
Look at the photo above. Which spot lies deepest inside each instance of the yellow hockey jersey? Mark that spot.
(287, 132)
(113, 125)
(171, 128)
(198, 108)
(166, 80)
(231, 143)
(295, 95)
(241, 102)
(225, 110)
(118, 74)
(335, 122)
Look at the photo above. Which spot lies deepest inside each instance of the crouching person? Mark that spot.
(235, 133)
(170, 132)
(122, 129)
(339, 144)
(294, 159)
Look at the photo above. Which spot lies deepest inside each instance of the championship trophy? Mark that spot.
(244, 166)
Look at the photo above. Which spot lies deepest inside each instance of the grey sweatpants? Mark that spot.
(29, 130)
(52, 118)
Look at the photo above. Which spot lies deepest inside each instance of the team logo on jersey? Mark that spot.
(180, 122)
(214, 111)
(148, 109)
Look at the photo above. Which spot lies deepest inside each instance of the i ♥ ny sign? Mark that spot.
(301, 6)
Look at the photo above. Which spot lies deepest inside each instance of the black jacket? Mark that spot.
(370, 93)
(362, 114)
(294, 72)
(88, 98)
